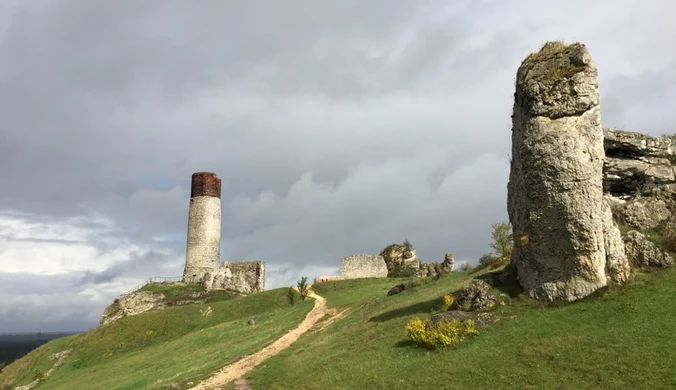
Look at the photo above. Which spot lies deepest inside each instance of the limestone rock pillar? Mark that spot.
(555, 190)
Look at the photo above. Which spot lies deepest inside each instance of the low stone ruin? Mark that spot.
(363, 266)
(246, 277)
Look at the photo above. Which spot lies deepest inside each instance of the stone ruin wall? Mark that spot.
(248, 276)
(363, 266)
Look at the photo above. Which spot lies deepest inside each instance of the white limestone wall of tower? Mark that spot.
(203, 251)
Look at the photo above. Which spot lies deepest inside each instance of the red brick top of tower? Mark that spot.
(205, 184)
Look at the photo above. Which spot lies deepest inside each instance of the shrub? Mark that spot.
(291, 294)
(444, 334)
(303, 288)
(502, 237)
(486, 260)
(466, 267)
(448, 302)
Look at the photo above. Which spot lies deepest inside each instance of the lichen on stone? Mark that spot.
(558, 60)
(559, 80)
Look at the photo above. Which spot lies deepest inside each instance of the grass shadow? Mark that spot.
(420, 307)
(405, 344)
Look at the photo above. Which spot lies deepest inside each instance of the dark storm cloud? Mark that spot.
(336, 127)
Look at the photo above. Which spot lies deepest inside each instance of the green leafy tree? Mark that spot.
(303, 288)
(291, 294)
(502, 238)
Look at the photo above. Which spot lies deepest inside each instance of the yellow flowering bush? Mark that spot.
(448, 301)
(443, 334)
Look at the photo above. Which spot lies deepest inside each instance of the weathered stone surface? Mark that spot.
(643, 253)
(400, 260)
(643, 213)
(555, 190)
(246, 277)
(449, 262)
(363, 266)
(434, 268)
(477, 295)
(204, 238)
(617, 264)
(630, 144)
(480, 319)
(669, 233)
(58, 358)
(135, 303)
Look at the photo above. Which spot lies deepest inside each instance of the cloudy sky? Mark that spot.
(337, 127)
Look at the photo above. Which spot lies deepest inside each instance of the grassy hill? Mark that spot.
(176, 345)
(621, 337)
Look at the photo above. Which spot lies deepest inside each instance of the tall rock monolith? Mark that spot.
(555, 191)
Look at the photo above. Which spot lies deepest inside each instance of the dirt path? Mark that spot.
(239, 368)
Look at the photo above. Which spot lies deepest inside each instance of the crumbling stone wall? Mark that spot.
(363, 266)
(246, 277)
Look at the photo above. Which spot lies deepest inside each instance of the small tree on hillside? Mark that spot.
(408, 244)
(502, 238)
(303, 288)
(502, 245)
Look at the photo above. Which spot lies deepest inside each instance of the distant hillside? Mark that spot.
(14, 346)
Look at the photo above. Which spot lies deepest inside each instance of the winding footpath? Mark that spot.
(239, 368)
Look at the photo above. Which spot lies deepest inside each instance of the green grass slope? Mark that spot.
(174, 346)
(620, 338)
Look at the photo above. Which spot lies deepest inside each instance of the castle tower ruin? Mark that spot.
(203, 251)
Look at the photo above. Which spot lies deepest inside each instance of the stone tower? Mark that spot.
(203, 251)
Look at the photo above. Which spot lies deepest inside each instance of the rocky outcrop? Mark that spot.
(435, 268)
(477, 295)
(618, 268)
(643, 212)
(142, 301)
(480, 319)
(644, 253)
(135, 303)
(58, 358)
(400, 260)
(555, 190)
(640, 183)
(449, 262)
